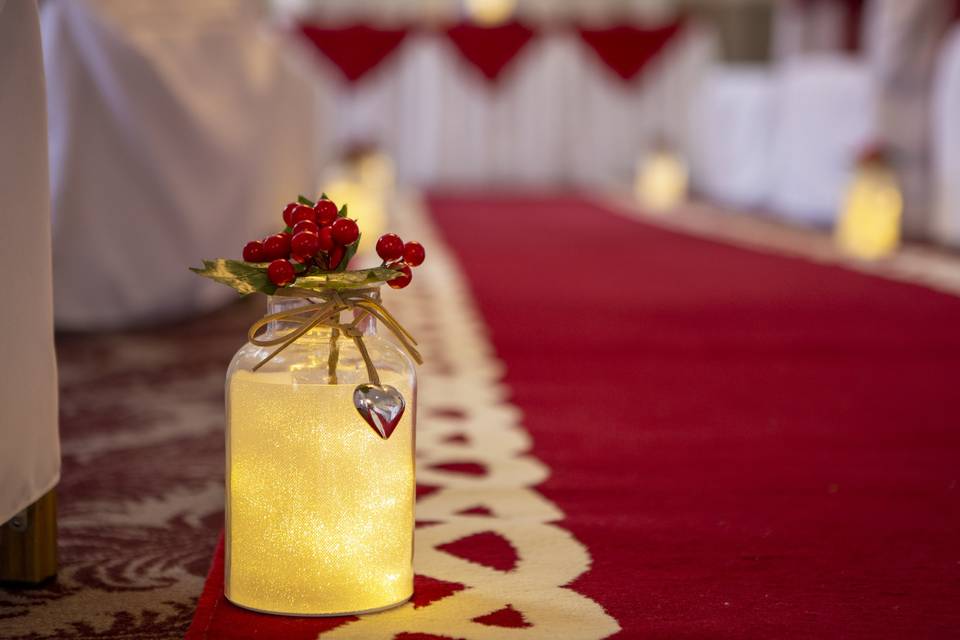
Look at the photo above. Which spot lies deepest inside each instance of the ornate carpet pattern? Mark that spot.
(141, 495)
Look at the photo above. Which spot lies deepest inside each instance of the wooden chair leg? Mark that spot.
(28, 543)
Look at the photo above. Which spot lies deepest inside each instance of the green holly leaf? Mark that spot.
(346, 279)
(245, 277)
(305, 200)
(349, 251)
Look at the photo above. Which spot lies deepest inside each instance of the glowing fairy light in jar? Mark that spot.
(321, 418)
(868, 227)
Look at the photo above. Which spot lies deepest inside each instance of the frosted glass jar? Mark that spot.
(319, 508)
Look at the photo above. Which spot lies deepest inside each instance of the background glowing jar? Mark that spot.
(319, 508)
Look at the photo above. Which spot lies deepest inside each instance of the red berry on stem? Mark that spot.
(305, 244)
(277, 246)
(303, 212)
(336, 255)
(326, 238)
(288, 213)
(280, 272)
(306, 225)
(400, 281)
(413, 254)
(326, 211)
(253, 252)
(345, 231)
(390, 247)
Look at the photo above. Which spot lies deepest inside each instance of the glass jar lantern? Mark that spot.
(319, 507)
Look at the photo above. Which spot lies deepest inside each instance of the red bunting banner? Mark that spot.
(626, 49)
(490, 49)
(358, 49)
(355, 50)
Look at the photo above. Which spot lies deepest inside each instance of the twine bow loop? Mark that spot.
(324, 310)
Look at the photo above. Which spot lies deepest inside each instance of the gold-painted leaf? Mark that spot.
(245, 277)
(346, 279)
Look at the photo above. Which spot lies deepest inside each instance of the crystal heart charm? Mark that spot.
(380, 405)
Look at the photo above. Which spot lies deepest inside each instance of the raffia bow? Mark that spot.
(327, 313)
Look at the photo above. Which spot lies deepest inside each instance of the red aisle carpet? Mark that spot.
(747, 445)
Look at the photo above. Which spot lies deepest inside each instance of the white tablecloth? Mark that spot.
(732, 126)
(29, 445)
(178, 131)
(825, 115)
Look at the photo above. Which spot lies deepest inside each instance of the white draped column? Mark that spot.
(29, 443)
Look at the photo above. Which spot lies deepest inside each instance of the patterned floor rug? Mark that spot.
(141, 496)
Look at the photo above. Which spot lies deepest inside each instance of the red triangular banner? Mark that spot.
(355, 50)
(626, 50)
(490, 49)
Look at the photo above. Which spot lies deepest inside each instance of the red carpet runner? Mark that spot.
(748, 445)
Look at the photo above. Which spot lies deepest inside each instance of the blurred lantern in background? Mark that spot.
(490, 13)
(364, 178)
(660, 184)
(869, 224)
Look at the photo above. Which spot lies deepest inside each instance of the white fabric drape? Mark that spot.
(29, 443)
(907, 39)
(825, 115)
(733, 124)
(946, 142)
(558, 115)
(178, 130)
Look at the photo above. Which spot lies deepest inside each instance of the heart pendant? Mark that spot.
(380, 405)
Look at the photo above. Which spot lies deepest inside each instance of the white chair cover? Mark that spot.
(731, 128)
(29, 444)
(177, 132)
(946, 142)
(825, 115)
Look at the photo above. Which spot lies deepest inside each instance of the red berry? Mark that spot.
(306, 225)
(276, 246)
(253, 252)
(288, 213)
(335, 256)
(280, 272)
(413, 254)
(326, 238)
(303, 212)
(304, 244)
(326, 211)
(345, 231)
(400, 281)
(390, 247)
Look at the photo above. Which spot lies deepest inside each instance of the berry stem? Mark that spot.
(334, 358)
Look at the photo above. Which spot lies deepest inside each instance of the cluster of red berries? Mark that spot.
(316, 236)
(400, 256)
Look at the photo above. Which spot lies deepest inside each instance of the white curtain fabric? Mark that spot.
(732, 124)
(946, 142)
(557, 115)
(29, 443)
(802, 27)
(178, 130)
(824, 116)
(906, 42)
